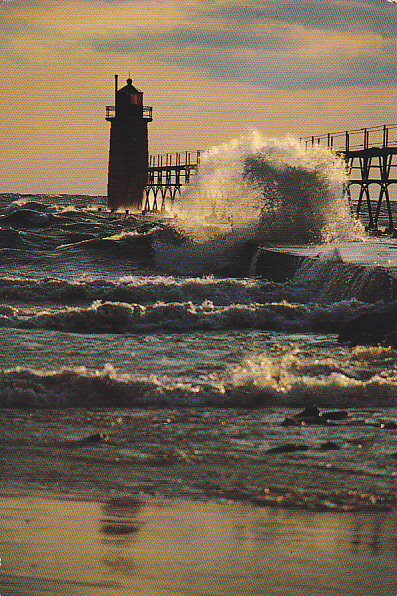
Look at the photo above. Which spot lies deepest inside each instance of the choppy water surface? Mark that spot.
(154, 326)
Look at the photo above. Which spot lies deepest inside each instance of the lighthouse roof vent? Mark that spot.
(129, 88)
(129, 94)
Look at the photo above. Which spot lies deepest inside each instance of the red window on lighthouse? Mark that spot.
(136, 99)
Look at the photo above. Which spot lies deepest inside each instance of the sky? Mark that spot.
(211, 70)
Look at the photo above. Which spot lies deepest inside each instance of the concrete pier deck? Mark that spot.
(280, 263)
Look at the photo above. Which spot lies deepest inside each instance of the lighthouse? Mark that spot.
(128, 153)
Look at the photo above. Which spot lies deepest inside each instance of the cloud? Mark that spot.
(277, 45)
(339, 15)
(294, 44)
(277, 60)
(188, 40)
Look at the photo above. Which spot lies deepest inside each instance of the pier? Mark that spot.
(147, 182)
(167, 174)
(371, 165)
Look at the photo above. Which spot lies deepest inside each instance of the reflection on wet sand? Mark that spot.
(119, 525)
(120, 517)
(371, 538)
(142, 548)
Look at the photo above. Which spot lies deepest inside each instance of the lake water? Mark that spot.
(140, 357)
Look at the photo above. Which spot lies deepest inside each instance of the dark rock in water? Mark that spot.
(336, 415)
(89, 440)
(309, 412)
(377, 327)
(312, 415)
(329, 446)
(288, 448)
(291, 422)
(316, 420)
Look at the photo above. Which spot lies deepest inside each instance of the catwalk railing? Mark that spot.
(369, 154)
(355, 140)
(167, 174)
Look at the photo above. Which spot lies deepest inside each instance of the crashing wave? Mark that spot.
(121, 317)
(253, 384)
(258, 190)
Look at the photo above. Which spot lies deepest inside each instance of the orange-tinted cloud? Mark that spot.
(210, 69)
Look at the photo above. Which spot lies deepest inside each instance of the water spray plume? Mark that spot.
(267, 191)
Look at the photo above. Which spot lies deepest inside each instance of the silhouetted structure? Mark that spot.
(128, 154)
(167, 175)
(371, 162)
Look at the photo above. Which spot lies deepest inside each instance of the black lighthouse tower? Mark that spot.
(128, 154)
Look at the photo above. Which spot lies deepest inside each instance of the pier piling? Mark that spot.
(369, 154)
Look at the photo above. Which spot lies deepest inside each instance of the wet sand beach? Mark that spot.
(160, 547)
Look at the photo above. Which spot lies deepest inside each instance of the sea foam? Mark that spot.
(254, 383)
(121, 317)
(258, 190)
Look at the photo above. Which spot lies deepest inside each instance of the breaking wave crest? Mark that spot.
(119, 317)
(317, 280)
(255, 383)
(134, 289)
(262, 191)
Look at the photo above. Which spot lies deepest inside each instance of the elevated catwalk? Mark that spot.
(371, 165)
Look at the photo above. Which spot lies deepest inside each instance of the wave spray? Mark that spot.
(259, 190)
